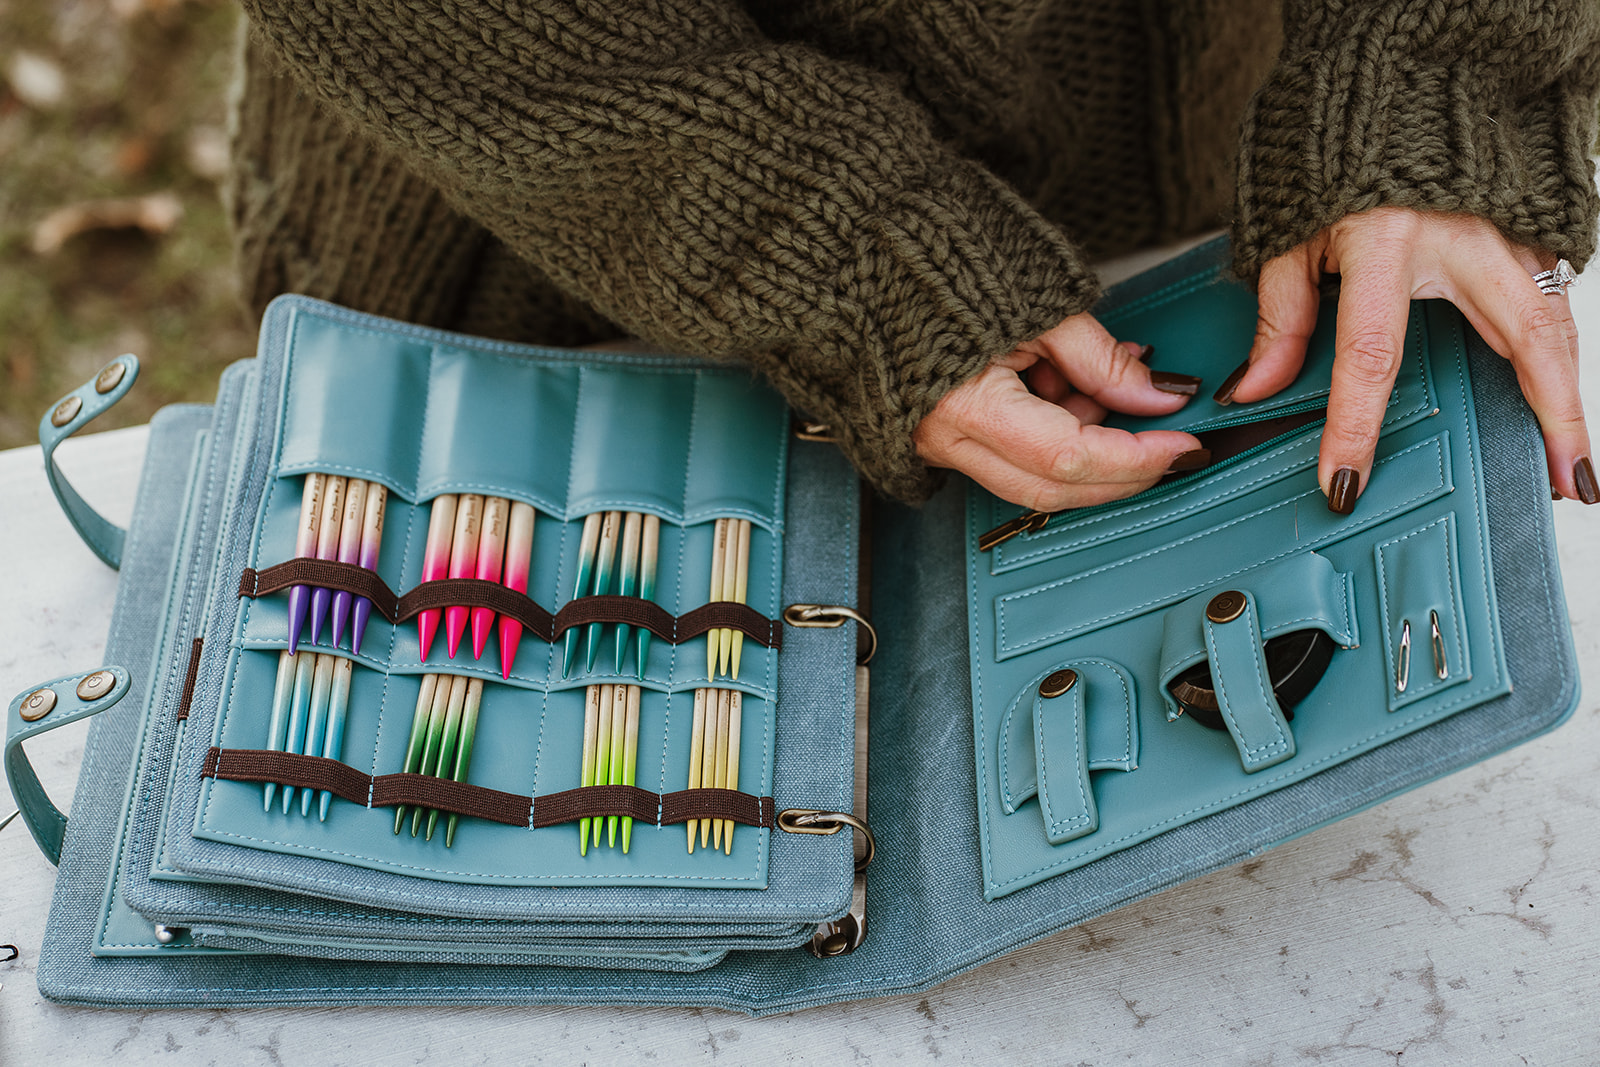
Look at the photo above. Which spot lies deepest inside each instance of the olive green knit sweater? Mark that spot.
(868, 201)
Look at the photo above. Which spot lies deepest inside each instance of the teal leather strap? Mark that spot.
(1110, 730)
(1244, 693)
(53, 704)
(1065, 796)
(71, 414)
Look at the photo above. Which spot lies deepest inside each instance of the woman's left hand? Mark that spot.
(1388, 257)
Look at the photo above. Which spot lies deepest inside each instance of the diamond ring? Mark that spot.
(1555, 282)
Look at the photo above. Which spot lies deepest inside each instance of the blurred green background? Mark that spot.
(112, 233)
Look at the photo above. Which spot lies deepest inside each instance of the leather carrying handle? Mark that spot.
(55, 703)
(69, 415)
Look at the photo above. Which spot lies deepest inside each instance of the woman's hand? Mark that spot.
(1044, 448)
(1387, 258)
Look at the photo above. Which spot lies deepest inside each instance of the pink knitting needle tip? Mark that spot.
(491, 551)
(519, 556)
(463, 564)
(436, 563)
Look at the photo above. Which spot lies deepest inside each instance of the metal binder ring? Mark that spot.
(806, 821)
(829, 616)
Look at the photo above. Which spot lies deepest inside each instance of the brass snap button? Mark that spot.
(1225, 607)
(96, 685)
(1058, 683)
(38, 704)
(110, 377)
(66, 411)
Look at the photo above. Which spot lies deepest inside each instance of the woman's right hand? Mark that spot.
(1028, 427)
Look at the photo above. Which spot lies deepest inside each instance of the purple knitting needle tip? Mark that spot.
(355, 504)
(327, 548)
(371, 542)
(305, 545)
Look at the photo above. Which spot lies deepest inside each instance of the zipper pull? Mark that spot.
(1024, 523)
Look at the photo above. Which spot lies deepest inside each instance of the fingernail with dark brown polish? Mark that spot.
(1192, 460)
(1342, 491)
(1224, 393)
(1146, 352)
(1555, 494)
(1583, 475)
(1181, 384)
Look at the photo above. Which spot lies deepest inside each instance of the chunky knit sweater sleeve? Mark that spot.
(708, 190)
(1484, 107)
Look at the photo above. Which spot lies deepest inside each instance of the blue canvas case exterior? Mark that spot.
(939, 903)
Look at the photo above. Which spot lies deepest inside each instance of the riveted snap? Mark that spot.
(66, 411)
(96, 685)
(37, 704)
(110, 377)
(1225, 607)
(1057, 683)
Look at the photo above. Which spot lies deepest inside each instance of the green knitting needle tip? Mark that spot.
(419, 733)
(469, 730)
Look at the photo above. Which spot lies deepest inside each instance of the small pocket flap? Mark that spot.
(1111, 729)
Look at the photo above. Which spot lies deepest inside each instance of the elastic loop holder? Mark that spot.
(827, 823)
(828, 617)
(69, 415)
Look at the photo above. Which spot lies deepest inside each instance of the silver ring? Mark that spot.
(1555, 282)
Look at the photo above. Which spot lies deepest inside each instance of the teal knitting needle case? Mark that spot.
(1068, 712)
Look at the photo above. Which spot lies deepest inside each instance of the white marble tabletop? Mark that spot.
(1457, 924)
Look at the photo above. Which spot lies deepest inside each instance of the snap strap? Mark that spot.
(477, 593)
(1244, 691)
(1065, 796)
(70, 414)
(40, 710)
(494, 805)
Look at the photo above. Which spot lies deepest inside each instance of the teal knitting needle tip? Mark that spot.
(605, 562)
(278, 725)
(338, 708)
(294, 740)
(587, 543)
(317, 723)
(649, 548)
(628, 579)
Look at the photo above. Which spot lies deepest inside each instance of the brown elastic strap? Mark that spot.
(462, 798)
(189, 677)
(477, 593)
(589, 801)
(287, 768)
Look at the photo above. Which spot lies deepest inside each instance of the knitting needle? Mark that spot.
(294, 737)
(587, 543)
(605, 561)
(735, 715)
(371, 543)
(730, 579)
(619, 739)
(436, 563)
(741, 586)
(518, 558)
(305, 546)
(491, 554)
(433, 737)
(696, 753)
(463, 564)
(327, 547)
(724, 715)
(708, 757)
(333, 744)
(445, 756)
(649, 549)
(355, 509)
(602, 753)
(317, 722)
(278, 725)
(468, 731)
(591, 730)
(630, 758)
(628, 578)
(719, 549)
(419, 733)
